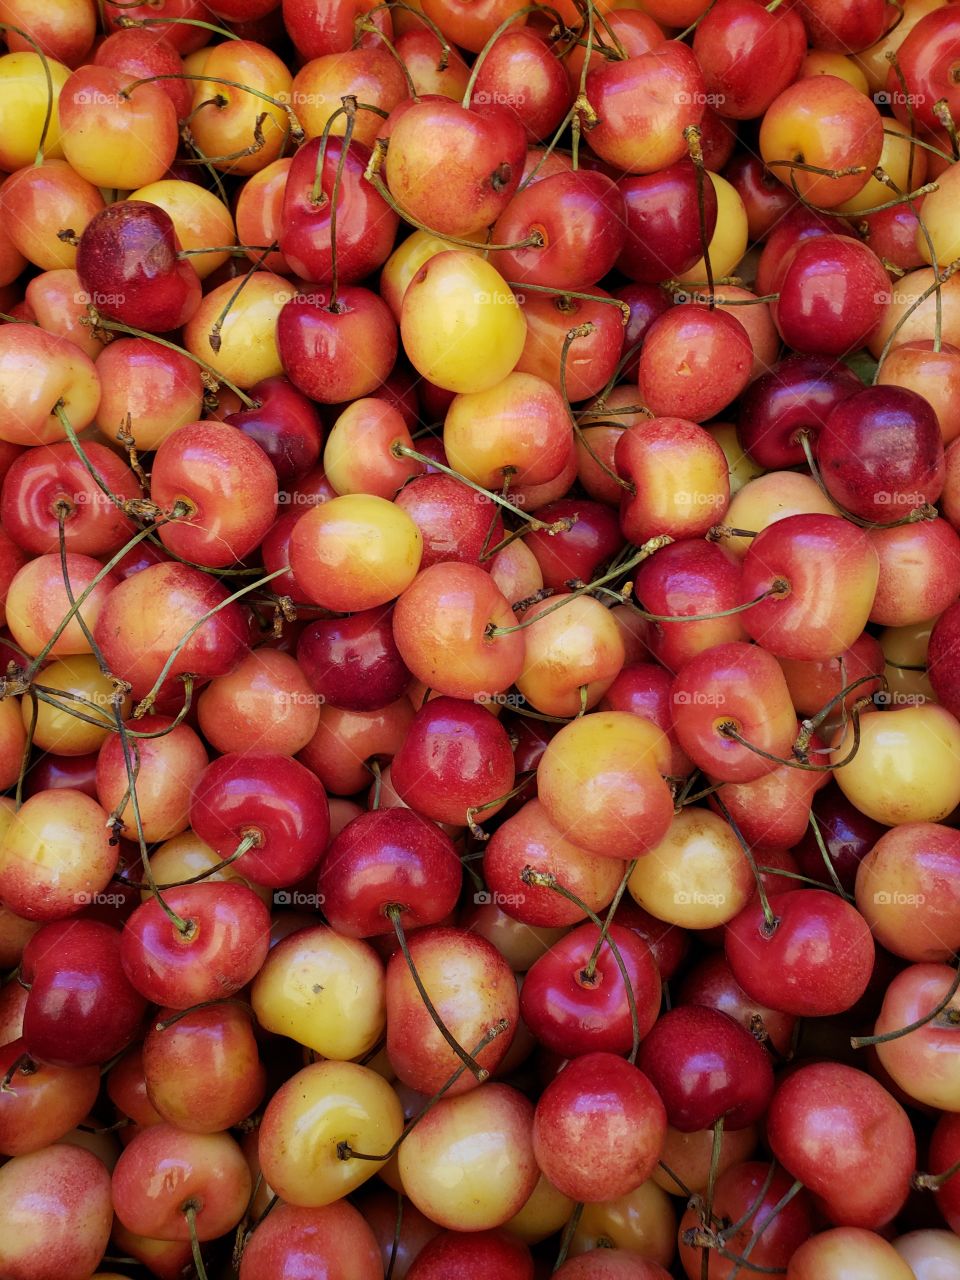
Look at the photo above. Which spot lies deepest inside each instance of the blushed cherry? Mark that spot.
(711, 983)
(693, 363)
(358, 456)
(833, 294)
(573, 653)
(156, 389)
(924, 1063)
(168, 765)
(346, 742)
(456, 523)
(266, 698)
(697, 493)
(337, 1236)
(590, 360)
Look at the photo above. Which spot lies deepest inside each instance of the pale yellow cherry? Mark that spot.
(847, 1253)
(742, 466)
(78, 688)
(907, 768)
(545, 1211)
(185, 855)
(931, 1254)
(248, 342)
(24, 100)
(325, 991)
(728, 243)
(314, 1119)
(826, 62)
(406, 260)
(697, 876)
(906, 173)
(199, 219)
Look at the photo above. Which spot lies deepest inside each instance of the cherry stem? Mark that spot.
(934, 1181)
(547, 880)
(687, 31)
(395, 1243)
(581, 105)
(706, 1215)
(727, 1232)
(394, 913)
(729, 730)
(145, 703)
(584, 331)
(372, 175)
(401, 450)
(27, 749)
(940, 279)
(203, 1004)
(346, 1152)
(743, 1260)
(251, 840)
(918, 142)
(683, 1188)
(569, 293)
(827, 860)
(130, 23)
(350, 107)
(809, 727)
(482, 55)
(591, 965)
(96, 321)
(951, 1019)
(24, 1064)
(647, 550)
(569, 1232)
(795, 875)
(190, 1213)
(427, 22)
(941, 109)
(374, 767)
(294, 127)
(850, 171)
(692, 135)
(477, 832)
(778, 587)
(214, 339)
(720, 531)
(770, 920)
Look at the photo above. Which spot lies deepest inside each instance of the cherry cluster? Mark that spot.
(480, 666)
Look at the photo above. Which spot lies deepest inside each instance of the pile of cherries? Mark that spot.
(480, 686)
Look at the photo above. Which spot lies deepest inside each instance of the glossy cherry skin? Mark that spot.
(689, 577)
(579, 215)
(847, 1139)
(50, 474)
(128, 263)
(227, 942)
(455, 522)
(272, 797)
(81, 1008)
(339, 353)
(748, 56)
(285, 424)
(332, 1240)
(51, 771)
(817, 961)
(479, 1255)
(848, 836)
(598, 1128)
(455, 757)
(797, 394)
(798, 224)
(144, 618)
(388, 857)
(711, 983)
(831, 569)
(832, 295)
(366, 225)
(663, 224)
(574, 1012)
(704, 1065)
(880, 453)
(765, 198)
(740, 684)
(521, 73)
(353, 662)
(928, 60)
(574, 555)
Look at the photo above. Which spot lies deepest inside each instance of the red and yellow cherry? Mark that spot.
(693, 363)
(43, 1102)
(927, 54)
(240, 131)
(579, 217)
(335, 350)
(833, 294)
(358, 456)
(905, 769)
(128, 51)
(150, 387)
(774, 810)
(244, 348)
(591, 360)
(644, 104)
(696, 876)
(848, 1251)
(598, 1128)
(460, 324)
(903, 891)
(266, 699)
(334, 1236)
(371, 75)
(934, 375)
(41, 372)
(346, 741)
(769, 498)
(573, 653)
(529, 839)
(711, 983)
(575, 1005)
(679, 478)
(573, 555)
(168, 767)
(324, 1108)
(469, 1164)
(919, 572)
(825, 122)
(924, 1063)
(482, 1255)
(455, 522)
(484, 162)
(423, 56)
(39, 201)
(738, 686)
(388, 858)
(285, 424)
(221, 948)
(113, 135)
(58, 1206)
(259, 213)
(325, 991)
(748, 55)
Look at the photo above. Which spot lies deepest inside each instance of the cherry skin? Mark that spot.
(580, 218)
(521, 73)
(698, 492)
(573, 1011)
(227, 938)
(598, 1128)
(270, 798)
(848, 835)
(797, 394)
(748, 55)
(944, 1153)
(847, 1139)
(832, 295)
(588, 363)
(334, 1239)
(284, 424)
(353, 662)
(339, 350)
(704, 1065)
(816, 962)
(388, 858)
(481, 1255)
(679, 349)
(44, 1103)
(924, 1063)
(663, 236)
(882, 482)
(927, 59)
(128, 263)
(711, 983)
(64, 963)
(454, 522)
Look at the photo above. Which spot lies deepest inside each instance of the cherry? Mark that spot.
(663, 236)
(455, 522)
(336, 348)
(748, 55)
(353, 662)
(832, 295)
(711, 983)
(796, 395)
(284, 424)
(693, 363)
(388, 858)
(481, 1255)
(334, 1237)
